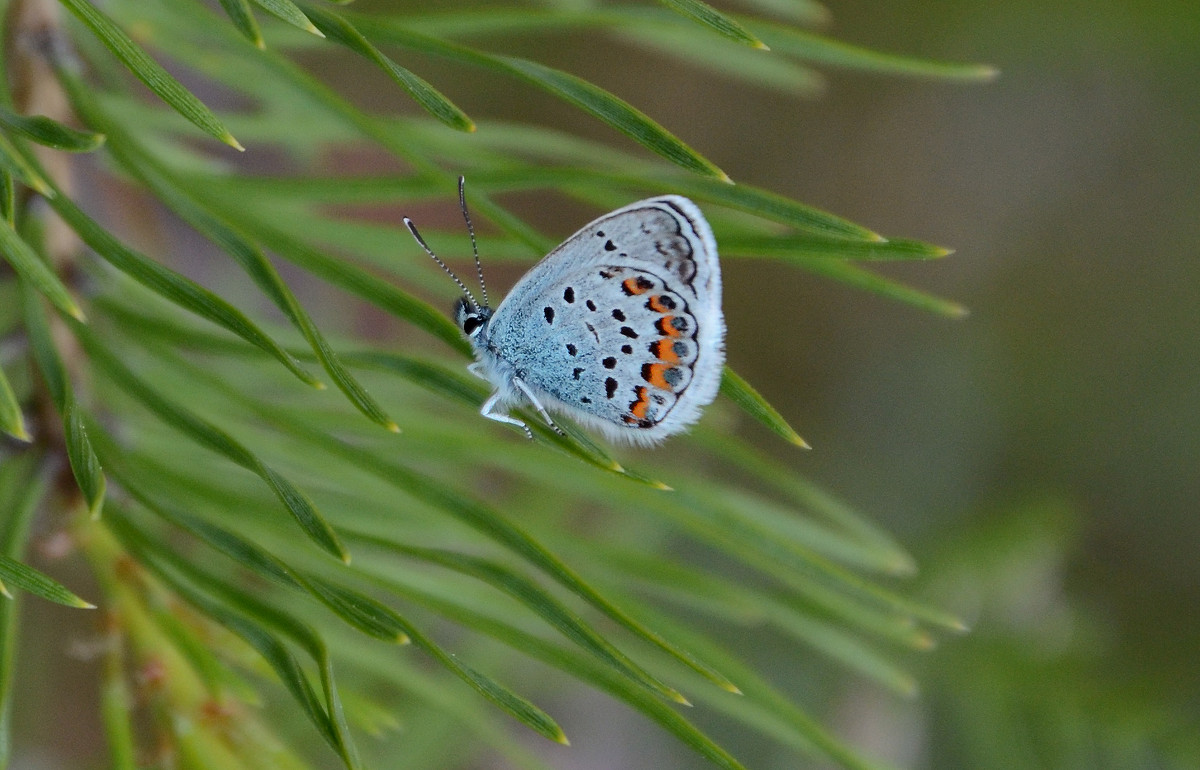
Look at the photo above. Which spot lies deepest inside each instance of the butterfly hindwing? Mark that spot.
(616, 343)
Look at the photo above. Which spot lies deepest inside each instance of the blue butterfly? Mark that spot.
(619, 327)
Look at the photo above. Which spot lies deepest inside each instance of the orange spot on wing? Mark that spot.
(664, 350)
(659, 306)
(666, 327)
(654, 374)
(636, 285)
(638, 408)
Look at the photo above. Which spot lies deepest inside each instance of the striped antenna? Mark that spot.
(413, 229)
(462, 203)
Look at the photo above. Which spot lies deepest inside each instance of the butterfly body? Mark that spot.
(620, 327)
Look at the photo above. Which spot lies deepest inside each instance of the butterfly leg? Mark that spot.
(488, 410)
(537, 405)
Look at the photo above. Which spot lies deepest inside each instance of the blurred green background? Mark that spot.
(1052, 437)
(1041, 457)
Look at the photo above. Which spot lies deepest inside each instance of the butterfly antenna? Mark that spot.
(413, 229)
(462, 203)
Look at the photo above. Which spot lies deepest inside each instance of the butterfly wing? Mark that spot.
(621, 326)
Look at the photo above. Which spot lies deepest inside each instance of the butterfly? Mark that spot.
(619, 328)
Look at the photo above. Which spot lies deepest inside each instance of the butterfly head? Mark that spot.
(471, 318)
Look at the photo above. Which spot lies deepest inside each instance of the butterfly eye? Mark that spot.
(471, 323)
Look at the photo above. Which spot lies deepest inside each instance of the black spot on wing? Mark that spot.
(549, 312)
(568, 295)
(610, 387)
(617, 314)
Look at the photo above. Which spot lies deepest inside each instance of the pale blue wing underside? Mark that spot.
(620, 327)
